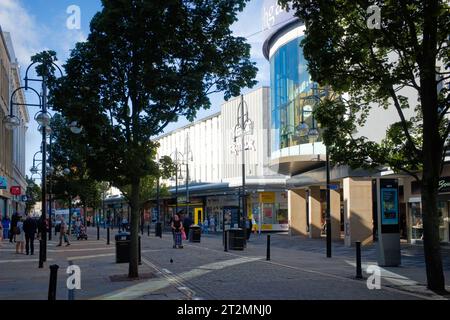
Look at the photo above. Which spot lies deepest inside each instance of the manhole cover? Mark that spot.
(124, 277)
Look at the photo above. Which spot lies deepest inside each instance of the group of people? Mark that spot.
(21, 230)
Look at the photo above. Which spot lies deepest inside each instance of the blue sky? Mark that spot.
(36, 25)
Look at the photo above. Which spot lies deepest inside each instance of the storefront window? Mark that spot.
(443, 209)
(282, 216)
(292, 96)
(268, 217)
(416, 221)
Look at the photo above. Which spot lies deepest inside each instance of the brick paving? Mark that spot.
(298, 269)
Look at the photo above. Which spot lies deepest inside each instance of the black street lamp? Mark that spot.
(243, 127)
(43, 118)
(178, 164)
(313, 133)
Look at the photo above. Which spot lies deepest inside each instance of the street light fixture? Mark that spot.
(43, 118)
(34, 170)
(73, 126)
(11, 122)
(48, 130)
(314, 134)
(243, 127)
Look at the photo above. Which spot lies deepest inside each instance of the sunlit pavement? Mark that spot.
(298, 269)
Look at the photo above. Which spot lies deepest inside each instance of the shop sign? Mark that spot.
(3, 183)
(444, 184)
(267, 197)
(15, 191)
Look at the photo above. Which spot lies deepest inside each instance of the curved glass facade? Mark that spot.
(292, 99)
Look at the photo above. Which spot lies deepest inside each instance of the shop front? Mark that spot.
(415, 211)
(5, 210)
(267, 210)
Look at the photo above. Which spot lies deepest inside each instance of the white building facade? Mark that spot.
(211, 149)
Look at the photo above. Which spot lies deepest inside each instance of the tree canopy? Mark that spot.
(144, 64)
(401, 60)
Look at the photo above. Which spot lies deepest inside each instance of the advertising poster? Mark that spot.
(389, 206)
(230, 217)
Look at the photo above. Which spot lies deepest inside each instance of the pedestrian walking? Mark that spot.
(124, 224)
(206, 226)
(14, 220)
(248, 226)
(187, 223)
(6, 224)
(30, 229)
(177, 227)
(63, 233)
(77, 227)
(212, 224)
(20, 236)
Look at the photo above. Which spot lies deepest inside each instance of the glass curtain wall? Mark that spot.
(292, 96)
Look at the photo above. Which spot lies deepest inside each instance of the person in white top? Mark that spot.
(212, 224)
(20, 237)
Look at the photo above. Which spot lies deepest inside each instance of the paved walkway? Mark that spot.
(298, 269)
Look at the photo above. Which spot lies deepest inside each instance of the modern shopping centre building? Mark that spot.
(285, 157)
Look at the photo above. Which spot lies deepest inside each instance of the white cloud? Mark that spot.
(30, 37)
(25, 31)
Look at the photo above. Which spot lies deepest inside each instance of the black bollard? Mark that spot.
(268, 248)
(226, 241)
(41, 253)
(358, 260)
(53, 280)
(98, 232)
(107, 235)
(148, 229)
(140, 262)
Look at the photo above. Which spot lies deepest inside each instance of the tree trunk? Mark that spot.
(431, 150)
(135, 217)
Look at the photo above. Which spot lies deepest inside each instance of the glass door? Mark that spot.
(443, 208)
(416, 221)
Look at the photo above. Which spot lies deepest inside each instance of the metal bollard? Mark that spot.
(98, 232)
(140, 262)
(41, 253)
(268, 248)
(107, 236)
(53, 280)
(358, 260)
(148, 230)
(226, 241)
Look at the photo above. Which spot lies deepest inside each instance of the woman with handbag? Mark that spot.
(178, 230)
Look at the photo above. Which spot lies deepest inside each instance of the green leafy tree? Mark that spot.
(71, 154)
(33, 193)
(375, 66)
(144, 64)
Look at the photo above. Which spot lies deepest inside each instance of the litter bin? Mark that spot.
(195, 233)
(158, 229)
(123, 241)
(236, 239)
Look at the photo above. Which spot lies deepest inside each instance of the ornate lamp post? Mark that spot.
(243, 128)
(43, 118)
(313, 133)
